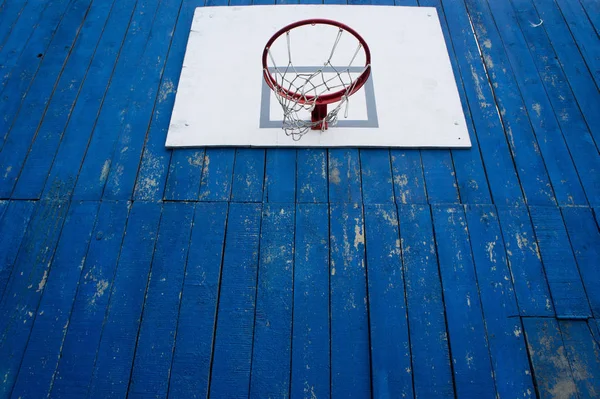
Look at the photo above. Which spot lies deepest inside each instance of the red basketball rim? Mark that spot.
(329, 97)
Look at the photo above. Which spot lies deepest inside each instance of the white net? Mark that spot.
(298, 91)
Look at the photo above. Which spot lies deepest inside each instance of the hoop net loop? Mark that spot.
(299, 91)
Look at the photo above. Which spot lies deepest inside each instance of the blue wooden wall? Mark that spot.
(130, 270)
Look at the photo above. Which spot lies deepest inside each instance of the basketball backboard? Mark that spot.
(410, 99)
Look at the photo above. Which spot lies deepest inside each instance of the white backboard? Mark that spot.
(410, 100)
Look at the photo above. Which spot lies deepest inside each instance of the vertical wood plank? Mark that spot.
(190, 371)
(25, 287)
(271, 353)
(112, 368)
(584, 356)
(13, 225)
(127, 152)
(525, 263)
(76, 364)
(230, 372)
(311, 324)
(577, 128)
(568, 294)
(248, 175)
(426, 316)
(502, 176)
(311, 175)
(537, 170)
(113, 117)
(19, 56)
(51, 319)
(154, 167)
(156, 340)
(505, 334)
(52, 125)
(552, 143)
(390, 345)
(376, 176)
(584, 34)
(60, 182)
(35, 101)
(344, 176)
(350, 357)
(280, 175)
(569, 57)
(585, 241)
(217, 174)
(468, 341)
(553, 375)
(409, 183)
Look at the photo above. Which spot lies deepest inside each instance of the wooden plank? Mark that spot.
(569, 58)
(248, 175)
(468, 165)
(577, 133)
(51, 319)
(376, 176)
(154, 167)
(344, 176)
(27, 281)
(407, 171)
(232, 355)
(592, 9)
(185, 174)
(36, 165)
(584, 34)
(568, 294)
(426, 319)
(540, 176)
(440, 179)
(350, 357)
(585, 241)
(547, 352)
(63, 175)
(502, 177)
(390, 344)
(112, 368)
(311, 175)
(76, 364)
(25, 122)
(11, 11)
(525, 263)
(13, 224)
(504, 331)
(583, 354)
(156, 339)
(280, 175)
(217, 174)
(468, 342)
(557, 155)
(22, 37)
(190, 371)
(126, 155)
(271, 353)
(113, 116)
(311, 369)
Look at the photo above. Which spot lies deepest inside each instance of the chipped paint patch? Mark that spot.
(335, 176)
(42, 283)
(105, 170)
(166, 89)
(537, 108)
(359, 236)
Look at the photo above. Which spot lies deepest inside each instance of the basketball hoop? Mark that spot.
(300, 90)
